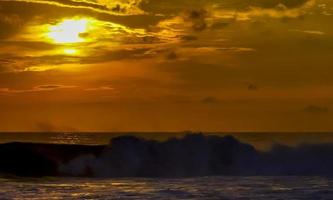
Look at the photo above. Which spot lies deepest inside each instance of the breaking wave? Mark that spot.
(192, 155)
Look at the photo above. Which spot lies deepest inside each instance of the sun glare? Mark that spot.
(69, 31)
(70, 51)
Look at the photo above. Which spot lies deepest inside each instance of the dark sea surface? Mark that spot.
(219, 188)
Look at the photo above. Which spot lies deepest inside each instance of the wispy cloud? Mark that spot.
(311, 32)
(106, 8)
(39, 88)
(102, 88)
(276, 11)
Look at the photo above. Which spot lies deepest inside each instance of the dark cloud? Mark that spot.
(50, 87)
(118, 8)
(210, 100)
(172, 56)
(220, 25)
(315, 109)
(9, 24)
(252, 87)
(188, 38)
(197, 18)
(141, 40)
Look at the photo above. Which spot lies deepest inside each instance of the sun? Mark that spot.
(69, 31)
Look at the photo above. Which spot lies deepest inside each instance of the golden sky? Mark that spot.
(166, 65)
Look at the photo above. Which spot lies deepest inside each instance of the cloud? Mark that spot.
(170, 7)
(39, 88)
(102, 88)
(236, 49)
(45, 126)
(315, 109)
(49, 127)
(48, 11)
(183, 18)
(172, 56)
(188, 38)
(311, 32)
(17, 63)
(267, 10)
(220, 25)
(9, 24)
(252, 87)
(52, 87)
(90, 5)
(197, 18)
(210, 100)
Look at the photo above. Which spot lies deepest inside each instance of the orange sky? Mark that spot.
(166, 65)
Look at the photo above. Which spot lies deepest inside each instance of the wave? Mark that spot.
(192, 155)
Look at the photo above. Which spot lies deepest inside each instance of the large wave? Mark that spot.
(192, 155)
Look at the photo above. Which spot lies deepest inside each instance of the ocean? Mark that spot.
(219, 188)
(92, 170)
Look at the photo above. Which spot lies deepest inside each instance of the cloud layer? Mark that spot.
(213, 64)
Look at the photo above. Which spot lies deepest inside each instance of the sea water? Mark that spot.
(219, 188)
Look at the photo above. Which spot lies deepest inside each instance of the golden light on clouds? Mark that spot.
(69, 31)
(70, 51)
(174, 65)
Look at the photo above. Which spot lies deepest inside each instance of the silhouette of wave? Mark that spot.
(192, 155)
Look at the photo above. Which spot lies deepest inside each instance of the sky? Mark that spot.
(166, 65)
